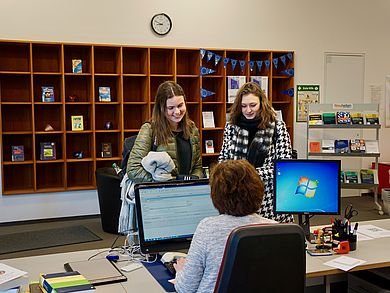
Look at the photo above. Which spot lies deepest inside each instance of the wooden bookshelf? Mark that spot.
(133, 75)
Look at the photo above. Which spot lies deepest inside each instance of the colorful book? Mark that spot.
(106, 150)
(357, 118)
(351, 176)
(65, 282)
(329, 118)
(367, 176)
(48, 151)
(315, 146)
(372, 118)
(104, 94)
(341, 146)
(17, 153)
(233, 85)
(77, 66)
(327, 146)
(209, 146)
(77, 122)
(315, 119)
(357, 146)
(47, 94)
(343, 117)
(342, 176)
(262, 81)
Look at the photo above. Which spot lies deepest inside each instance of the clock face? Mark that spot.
(161, 24)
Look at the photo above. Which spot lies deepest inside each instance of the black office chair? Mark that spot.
(263, 258)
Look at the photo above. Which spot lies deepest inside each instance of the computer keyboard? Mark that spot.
(170, 267)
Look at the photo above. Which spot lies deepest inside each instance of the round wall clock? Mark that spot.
(161, 24)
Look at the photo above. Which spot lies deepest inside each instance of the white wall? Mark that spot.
(308, 27)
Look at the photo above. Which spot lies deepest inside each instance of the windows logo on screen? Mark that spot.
(306, 187)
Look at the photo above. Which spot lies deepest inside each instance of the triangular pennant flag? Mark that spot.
(259, 64)
(225, 62)
(209, 55)
(242, 64)
(205, 93)
(202, 53)
(283, 59)
(289, 92)
(205, 70)
(251, 65)
(234, 63)
(289, 72)
(267, 63)
(217, 59)
(275, 62)
(290, 55)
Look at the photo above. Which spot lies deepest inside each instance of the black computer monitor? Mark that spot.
(169, 212)
(307, 187)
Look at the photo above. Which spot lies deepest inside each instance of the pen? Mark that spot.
(355, 229)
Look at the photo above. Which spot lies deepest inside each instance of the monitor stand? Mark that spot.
(304, 222)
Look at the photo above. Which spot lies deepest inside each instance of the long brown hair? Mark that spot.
(266, 113)
(161, 130)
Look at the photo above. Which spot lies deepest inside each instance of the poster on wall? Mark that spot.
(306, 94)
(387, 100)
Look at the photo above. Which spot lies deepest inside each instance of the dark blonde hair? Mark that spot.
(266, 113)
(236, 188)
(160, 124)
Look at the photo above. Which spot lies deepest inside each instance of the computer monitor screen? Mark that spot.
(169, 212)
(307, 186)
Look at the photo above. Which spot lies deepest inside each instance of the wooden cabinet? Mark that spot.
(133, 75)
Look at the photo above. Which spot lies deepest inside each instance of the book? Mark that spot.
(342, 176)
(77, 122)
(104, 94)
(351, 176)
(208, 119)
(11, 277)
(233, 85)
(47, 94)
(77, 66)
(106, 150)
(262, 81)
(319, 251)
(48, 151)
(315, 146)
(327, 146)
(206, 172)
(372, 117)
(17, 153)
(357, 146)
(209, 146)
(372, 146)
(34, 288)
(329, 118)
(341, 146)
(65, 282)
(315, 119)
(343, 117)
(357, 118)
(367, 176)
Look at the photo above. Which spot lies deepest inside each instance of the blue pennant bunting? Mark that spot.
(267, 63)
(209, 55)
(275, 62)
(225, 62)
(242, 64)
(283, 59)
(289, 92)
(234, 63)
(259, 64)
(205, 70)
(205, 93)
(290, 55)
(202, 53)
(289, 72)
(251, 65)
(217, 59)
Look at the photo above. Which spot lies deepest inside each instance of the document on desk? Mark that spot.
(373, 231)
(344, 263)
(8, 273)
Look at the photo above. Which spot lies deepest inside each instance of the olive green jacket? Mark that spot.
(143, 145)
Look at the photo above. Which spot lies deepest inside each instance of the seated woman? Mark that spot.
(170, 130)
(236, 192)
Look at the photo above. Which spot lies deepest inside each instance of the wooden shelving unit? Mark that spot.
(133, 75)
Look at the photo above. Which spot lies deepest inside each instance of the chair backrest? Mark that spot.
(127, 146)
(263, 258)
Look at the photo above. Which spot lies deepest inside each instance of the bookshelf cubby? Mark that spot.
(133, 74)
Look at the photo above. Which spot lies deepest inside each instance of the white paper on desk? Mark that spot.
(344, 263)
(373, 231)
(362, 237)
(8, 273)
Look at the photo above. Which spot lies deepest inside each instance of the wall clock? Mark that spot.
(161, 24)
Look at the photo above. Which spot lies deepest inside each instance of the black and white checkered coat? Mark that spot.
(283, 150)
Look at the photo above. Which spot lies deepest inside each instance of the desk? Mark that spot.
(376, 252)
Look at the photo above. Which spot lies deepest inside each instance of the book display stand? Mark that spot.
(132, 74)
(351, 151)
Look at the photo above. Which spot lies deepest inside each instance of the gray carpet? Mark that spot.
(45, 238)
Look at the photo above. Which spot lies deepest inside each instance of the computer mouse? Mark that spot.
(169, 256)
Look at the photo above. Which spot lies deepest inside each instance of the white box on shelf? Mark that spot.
(233, 85)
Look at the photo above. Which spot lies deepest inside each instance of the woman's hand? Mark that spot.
(179, 265)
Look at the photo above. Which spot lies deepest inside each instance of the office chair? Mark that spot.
(263, 258)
